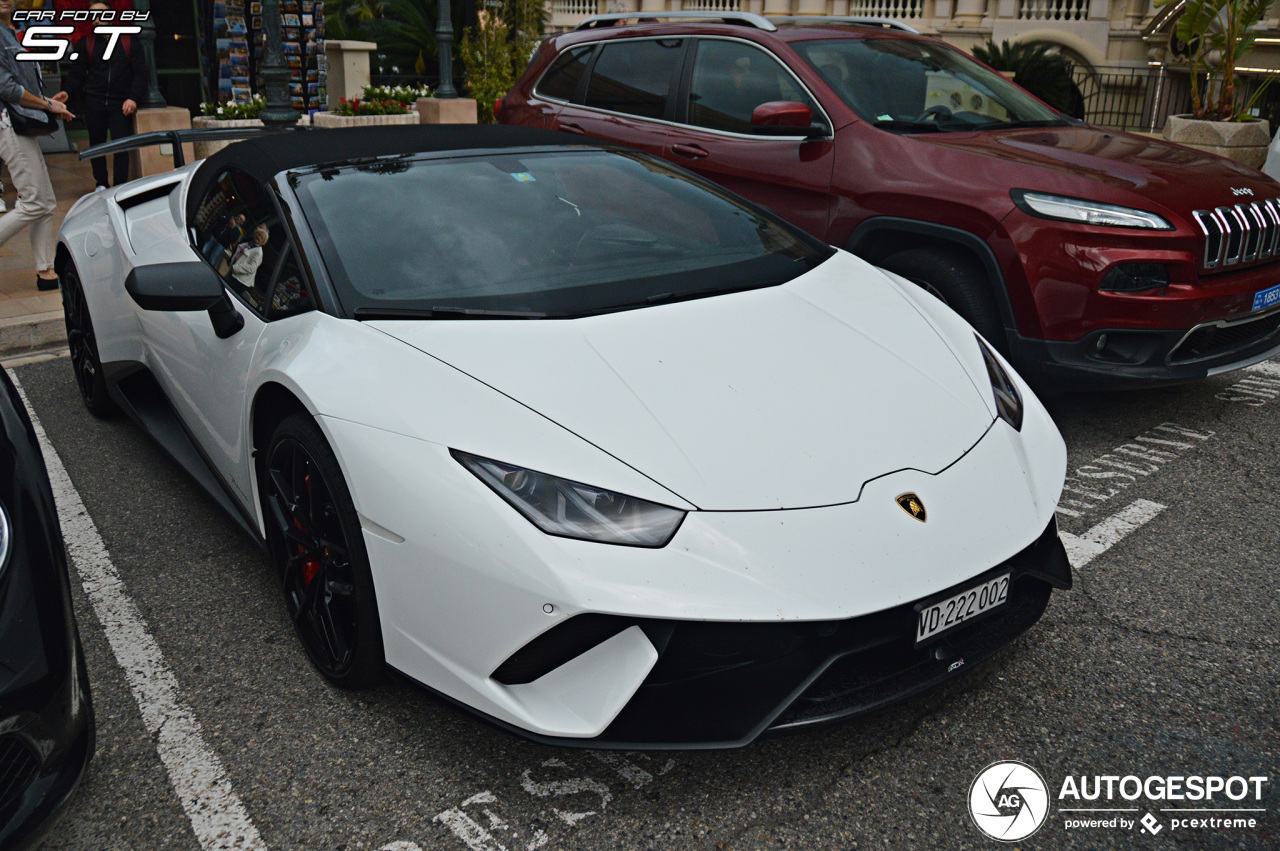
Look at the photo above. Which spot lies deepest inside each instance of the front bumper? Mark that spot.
(462, 594)
(1119, 359)
(721, 685)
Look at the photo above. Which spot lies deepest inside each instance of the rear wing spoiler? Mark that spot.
(176, 138)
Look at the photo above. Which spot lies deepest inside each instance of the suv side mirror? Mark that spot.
(786, 118)
(184, 287)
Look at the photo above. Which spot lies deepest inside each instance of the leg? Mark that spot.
(35, 204)
(121, 126)
(98, 121)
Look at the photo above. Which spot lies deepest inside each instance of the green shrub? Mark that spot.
(489, 56)
(371, 107)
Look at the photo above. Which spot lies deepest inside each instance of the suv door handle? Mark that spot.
(572, 128)
(693, 152)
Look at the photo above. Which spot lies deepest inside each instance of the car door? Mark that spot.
(628, 95)
(240, 232)
(724, 81)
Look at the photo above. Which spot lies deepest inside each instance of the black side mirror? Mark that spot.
(185, 287)
(174, 286)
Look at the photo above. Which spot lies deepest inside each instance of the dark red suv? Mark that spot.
(1093, 258)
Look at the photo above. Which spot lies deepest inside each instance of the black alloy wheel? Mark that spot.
(314, 536)
(83, 345)
(956, 282)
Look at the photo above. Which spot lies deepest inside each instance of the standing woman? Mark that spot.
(19, 87)
(110, 90)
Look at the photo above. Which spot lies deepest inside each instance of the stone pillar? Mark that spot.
(969, 13)
(157, 159)
(348, 68)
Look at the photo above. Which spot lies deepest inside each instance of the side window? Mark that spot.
(241, 235)
(561, 80)
(291, 295)
(731, 79)
(635, 76)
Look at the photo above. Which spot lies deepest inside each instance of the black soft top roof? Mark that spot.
(266, 155)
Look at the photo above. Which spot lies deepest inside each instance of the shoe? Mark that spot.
(100, 188)
(46, 284)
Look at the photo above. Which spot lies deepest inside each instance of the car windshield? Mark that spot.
(539, 234)
(909, 86)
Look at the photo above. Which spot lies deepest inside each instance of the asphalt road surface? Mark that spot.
(215, 732)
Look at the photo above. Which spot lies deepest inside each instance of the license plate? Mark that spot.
(1269, 297)
(962, 608)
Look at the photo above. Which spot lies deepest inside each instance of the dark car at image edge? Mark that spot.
(46, 712)
(1095, 259)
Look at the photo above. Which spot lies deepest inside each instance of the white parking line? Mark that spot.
(1084, 548)
(217, 815)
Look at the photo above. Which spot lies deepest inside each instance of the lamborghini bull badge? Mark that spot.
(911, 504)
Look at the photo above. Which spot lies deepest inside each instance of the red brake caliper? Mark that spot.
(311, 566)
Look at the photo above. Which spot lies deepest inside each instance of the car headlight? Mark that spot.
(4, 540)
(1008, 399)
(573, 510)
(1086, 212)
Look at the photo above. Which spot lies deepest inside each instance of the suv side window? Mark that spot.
(635, 77)
(562, 78)
(240, 233)
(730, 79)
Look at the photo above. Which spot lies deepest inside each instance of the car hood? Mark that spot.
(1073, 160)
(784, 397)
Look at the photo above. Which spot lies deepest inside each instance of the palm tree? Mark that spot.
(1039, 68)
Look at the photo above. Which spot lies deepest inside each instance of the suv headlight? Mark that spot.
(1008, 399)
(573, 510)
(1066, 209)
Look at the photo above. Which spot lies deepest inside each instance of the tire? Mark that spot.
(958, 283)
(314, 537)
(83, 345)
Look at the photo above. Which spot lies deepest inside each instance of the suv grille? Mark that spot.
(1240, 234)
(18, 766)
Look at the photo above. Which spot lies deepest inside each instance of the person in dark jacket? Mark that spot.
(110, 91)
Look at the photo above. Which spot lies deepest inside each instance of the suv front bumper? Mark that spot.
(1119, 358)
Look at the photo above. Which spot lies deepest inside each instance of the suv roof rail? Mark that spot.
(748, 18)
(859, 20)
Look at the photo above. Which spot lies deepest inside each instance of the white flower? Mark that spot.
(219, 110)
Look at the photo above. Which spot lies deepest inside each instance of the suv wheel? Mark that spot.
(959, 284)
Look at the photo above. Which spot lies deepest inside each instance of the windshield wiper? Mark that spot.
(1017, 125)
(363, 313)
(909, 126)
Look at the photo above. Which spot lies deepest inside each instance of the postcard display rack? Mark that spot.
(239, 41)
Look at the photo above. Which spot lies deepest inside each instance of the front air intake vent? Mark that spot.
(18, 766)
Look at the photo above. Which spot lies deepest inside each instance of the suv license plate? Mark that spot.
(963, 607)
(1263, 299)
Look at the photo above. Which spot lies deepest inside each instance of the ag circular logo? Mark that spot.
(1009, 800)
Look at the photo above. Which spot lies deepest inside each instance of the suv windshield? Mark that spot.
(921, 87)
(538, 234)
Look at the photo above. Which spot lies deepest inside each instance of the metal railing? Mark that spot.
(712, 5)
(1053, 10)
(901, 9)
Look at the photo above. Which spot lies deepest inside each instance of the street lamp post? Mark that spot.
(279, 111)
(153, 100)
(444, 44)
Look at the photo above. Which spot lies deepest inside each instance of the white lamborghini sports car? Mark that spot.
(569, 435)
